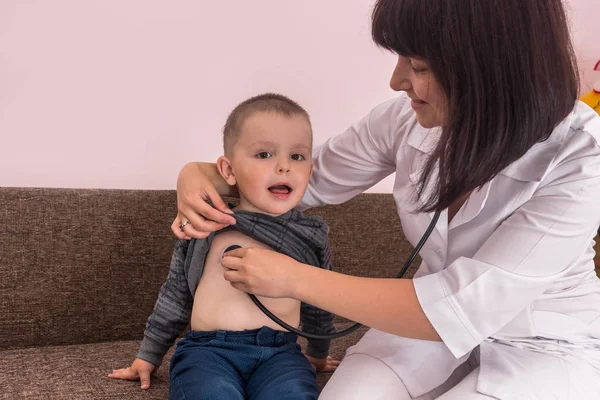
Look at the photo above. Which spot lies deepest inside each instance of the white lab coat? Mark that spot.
(512, 275)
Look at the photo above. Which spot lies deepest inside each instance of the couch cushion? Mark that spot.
(81, 266)
(79, 372)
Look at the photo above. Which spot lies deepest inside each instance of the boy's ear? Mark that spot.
(224, 167)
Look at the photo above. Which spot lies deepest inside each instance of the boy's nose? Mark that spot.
(283, 166)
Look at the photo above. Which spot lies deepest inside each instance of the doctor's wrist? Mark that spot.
(300, 283)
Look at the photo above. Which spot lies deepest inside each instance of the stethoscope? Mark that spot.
(357, 325)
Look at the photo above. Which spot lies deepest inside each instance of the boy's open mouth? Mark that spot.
(280, 189)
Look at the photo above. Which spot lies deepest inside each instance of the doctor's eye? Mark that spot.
(418, 66)
(418, 69)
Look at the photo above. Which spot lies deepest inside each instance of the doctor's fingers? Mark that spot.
(176, 228)
(193, 225)
(236, 277)
(233, 264)
(238, 252)
(207, 207)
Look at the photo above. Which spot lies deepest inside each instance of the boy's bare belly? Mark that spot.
(219, 306)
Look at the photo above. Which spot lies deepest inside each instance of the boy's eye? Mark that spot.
(263, 155)
(298, 157)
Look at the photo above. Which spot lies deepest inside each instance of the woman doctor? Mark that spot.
(486, 129)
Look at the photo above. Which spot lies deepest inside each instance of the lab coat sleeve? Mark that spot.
(348, 164)
(473, 298)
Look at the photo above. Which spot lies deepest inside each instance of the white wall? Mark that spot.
(120, 94)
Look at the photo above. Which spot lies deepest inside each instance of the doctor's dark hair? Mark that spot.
(267, 102)
(507, 68)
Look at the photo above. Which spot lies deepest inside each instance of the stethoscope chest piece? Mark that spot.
(229, 248)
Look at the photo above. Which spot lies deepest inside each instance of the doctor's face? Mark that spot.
(413, 76)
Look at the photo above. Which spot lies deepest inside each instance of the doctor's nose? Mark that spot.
(399, 80)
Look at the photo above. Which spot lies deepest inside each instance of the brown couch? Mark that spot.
(80, 271)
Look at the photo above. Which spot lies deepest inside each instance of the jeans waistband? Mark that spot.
(264, 336)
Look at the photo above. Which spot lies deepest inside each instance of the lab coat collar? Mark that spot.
(472, 206)
(471, 209)
(425, 141)
(531, 167)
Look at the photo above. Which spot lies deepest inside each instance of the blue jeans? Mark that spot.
(256, 364)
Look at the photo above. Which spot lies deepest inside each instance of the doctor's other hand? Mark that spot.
(261, 272)
(196, 217)
(138, 370)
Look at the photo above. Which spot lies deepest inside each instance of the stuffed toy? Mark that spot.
(592, 98)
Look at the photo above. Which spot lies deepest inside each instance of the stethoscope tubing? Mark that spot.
(357, 325)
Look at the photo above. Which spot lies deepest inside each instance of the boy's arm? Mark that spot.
(315, 320)
(172, 310)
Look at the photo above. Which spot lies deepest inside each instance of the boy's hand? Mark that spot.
(323, 364)
(140, 369)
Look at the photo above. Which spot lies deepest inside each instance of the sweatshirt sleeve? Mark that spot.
(172, 310)
(315, 320)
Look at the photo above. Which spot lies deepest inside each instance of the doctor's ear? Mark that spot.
(226, 171)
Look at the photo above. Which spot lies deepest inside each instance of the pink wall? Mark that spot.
(585, 17)
(120, 94)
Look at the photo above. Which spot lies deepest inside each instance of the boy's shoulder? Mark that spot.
(309, 219)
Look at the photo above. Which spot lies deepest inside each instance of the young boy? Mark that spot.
(233, 350)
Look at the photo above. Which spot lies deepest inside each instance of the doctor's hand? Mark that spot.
(200, 208)
(261, 272)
